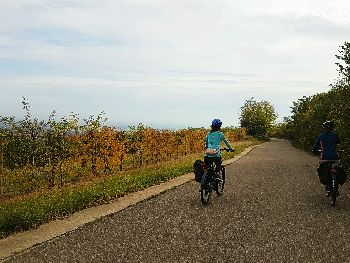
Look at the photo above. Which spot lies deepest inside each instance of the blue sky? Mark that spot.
(167, 64)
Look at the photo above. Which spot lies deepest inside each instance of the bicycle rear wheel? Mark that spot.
(220, 185)
(205, 191)
(334, 192)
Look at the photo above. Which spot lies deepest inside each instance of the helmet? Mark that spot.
(328, 125)
(216, 122)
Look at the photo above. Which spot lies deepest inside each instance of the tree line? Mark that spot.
(309, 112)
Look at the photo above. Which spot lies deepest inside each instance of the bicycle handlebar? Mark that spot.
(318, 152)
(341, 151)
(226, 149)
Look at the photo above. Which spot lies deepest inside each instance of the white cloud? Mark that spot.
(163, 50)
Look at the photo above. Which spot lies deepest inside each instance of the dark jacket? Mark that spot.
(327, 143)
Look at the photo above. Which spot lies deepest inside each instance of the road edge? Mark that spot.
(19, 242)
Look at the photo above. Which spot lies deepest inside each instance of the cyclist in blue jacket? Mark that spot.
(327, 143)
(212, 146)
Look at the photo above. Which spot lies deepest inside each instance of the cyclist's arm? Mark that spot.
(316, 145)
(227, 143)
(206, 142)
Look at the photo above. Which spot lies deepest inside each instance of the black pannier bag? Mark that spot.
(324, 173)
(198, 169)
(341, 174)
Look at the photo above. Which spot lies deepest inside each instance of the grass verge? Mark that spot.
(31, 211)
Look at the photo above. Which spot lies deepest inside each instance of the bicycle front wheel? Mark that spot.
(205, 191)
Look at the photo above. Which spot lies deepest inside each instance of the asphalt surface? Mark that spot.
(273, 210)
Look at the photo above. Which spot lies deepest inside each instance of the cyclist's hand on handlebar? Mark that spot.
(316, 152)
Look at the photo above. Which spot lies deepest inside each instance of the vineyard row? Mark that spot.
(45, 154)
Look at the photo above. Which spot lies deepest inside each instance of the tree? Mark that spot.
(257, 117)
(344, 65)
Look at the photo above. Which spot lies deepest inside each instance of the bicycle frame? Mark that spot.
(209, 183)
(208, 178)
(333, 177)
(334, 182)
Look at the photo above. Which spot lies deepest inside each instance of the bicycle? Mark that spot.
(210, 182)
(330, 168)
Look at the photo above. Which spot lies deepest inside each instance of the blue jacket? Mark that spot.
(327, 143)
(213, 141)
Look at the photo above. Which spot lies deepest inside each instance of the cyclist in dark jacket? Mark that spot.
(327, 143)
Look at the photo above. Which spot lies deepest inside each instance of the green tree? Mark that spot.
(257, 117)
(344, 64)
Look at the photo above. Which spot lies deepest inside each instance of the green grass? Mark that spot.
(31, 211)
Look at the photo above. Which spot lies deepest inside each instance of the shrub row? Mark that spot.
(46, 154)
(308, 114)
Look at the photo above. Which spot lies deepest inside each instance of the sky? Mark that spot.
(166, 63)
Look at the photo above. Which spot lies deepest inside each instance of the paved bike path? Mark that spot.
(273, 210)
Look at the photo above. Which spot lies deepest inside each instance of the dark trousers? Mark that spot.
(217, 160)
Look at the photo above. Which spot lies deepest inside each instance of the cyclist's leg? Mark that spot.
(207, 160)
(324, 176)
(328, 182)
(218, 163)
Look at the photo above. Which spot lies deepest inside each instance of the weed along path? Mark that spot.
(273, 210)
